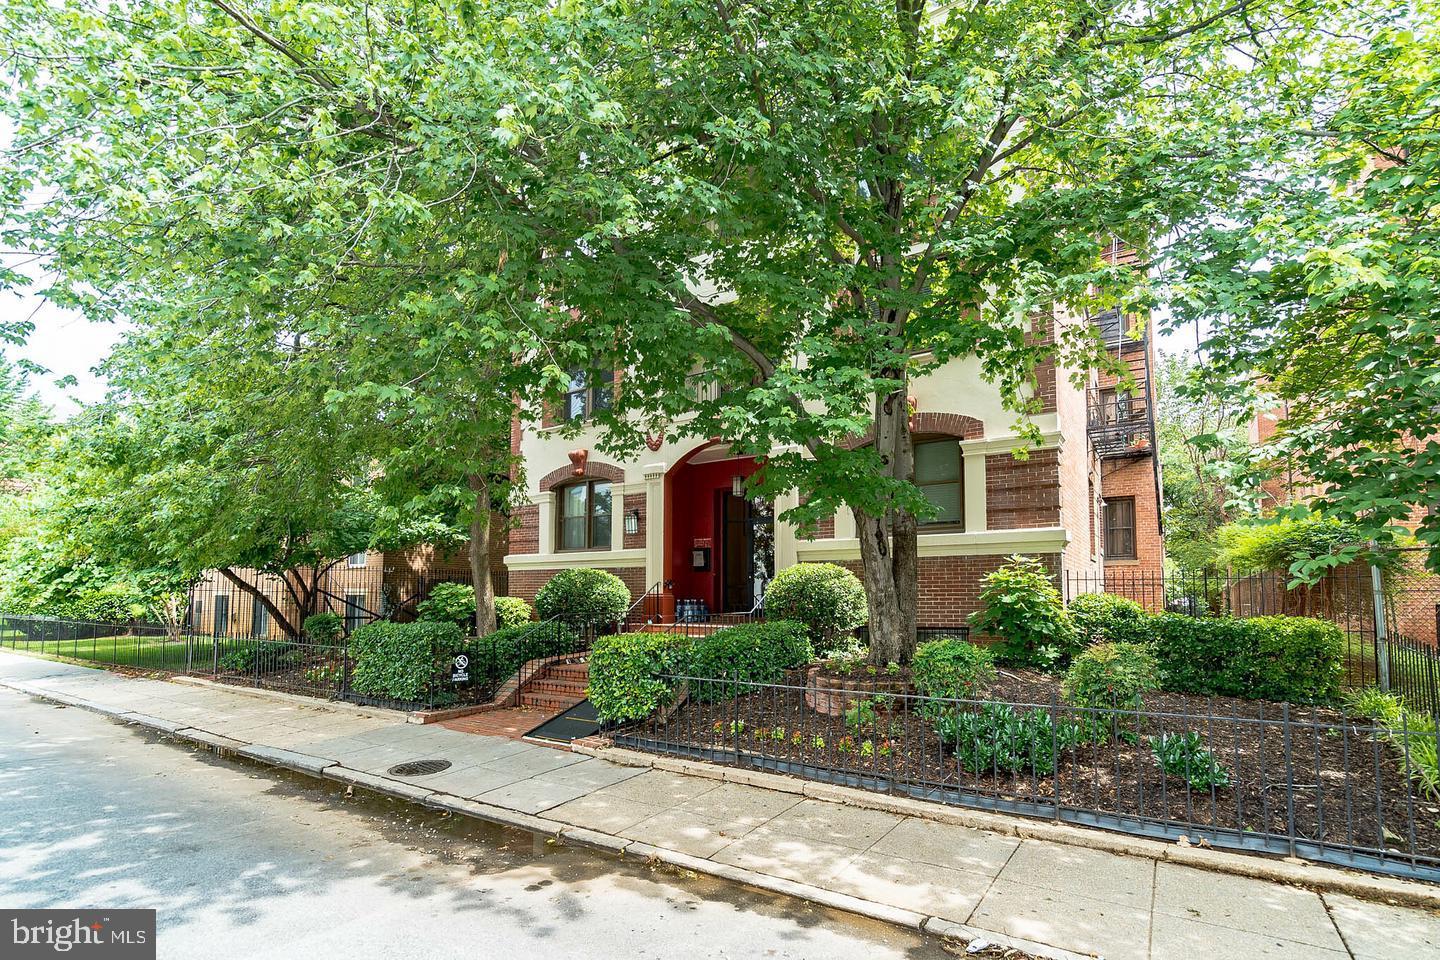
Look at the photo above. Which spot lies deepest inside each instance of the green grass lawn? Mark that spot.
(146, 653)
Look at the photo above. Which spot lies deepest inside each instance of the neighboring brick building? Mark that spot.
(670, 514)
(360, 588)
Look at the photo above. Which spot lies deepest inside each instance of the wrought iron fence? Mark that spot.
(1403, 656)
(1307, 782)
(303, 666)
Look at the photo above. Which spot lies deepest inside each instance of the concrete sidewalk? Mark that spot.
(896, 860)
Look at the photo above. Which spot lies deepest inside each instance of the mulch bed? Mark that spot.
(1349, 787)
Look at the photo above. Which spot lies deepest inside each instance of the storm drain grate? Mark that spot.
(419, 768)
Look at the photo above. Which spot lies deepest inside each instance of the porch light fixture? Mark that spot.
(737, 485)
(632, 523)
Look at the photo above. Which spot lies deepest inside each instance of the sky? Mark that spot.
(66, 344)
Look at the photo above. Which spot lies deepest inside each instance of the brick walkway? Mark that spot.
(1050, 890)
(514, 722)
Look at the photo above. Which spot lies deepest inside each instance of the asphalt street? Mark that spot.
(240, 860)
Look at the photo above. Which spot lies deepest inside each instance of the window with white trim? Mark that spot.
(583, 514)
(938, 474)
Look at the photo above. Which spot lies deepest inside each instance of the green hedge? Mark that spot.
(1098, 617)
(584, 597)
(512, 612)
(753, 652)
(625, 669)
(826, 597)
(1299, 659)
(404, 661)
(1211, 656)
(1295, 659)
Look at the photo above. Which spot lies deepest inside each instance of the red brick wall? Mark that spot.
(950, 586)
(525, 535)
(525, 583)
(1136, 478)
(1045, 371)
(1022, 494)
(634, 501)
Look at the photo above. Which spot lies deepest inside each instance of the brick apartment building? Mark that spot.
(360, 588)
(1086, 501)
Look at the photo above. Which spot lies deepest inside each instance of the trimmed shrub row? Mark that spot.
(625, 670)
(402, 661)
(1295, 659)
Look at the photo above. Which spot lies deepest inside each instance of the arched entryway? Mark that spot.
(719, 541)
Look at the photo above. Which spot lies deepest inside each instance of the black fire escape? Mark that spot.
(1122, 421)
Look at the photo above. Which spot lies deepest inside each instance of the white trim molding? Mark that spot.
(1009, 443)
(582, 558)
(968, 544)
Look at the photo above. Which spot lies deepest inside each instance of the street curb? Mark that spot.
(1310, 876)
(566, 833)
(1298, 873)
(340, 706)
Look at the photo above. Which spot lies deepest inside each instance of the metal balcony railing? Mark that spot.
(1120, 333)
(1121, 425)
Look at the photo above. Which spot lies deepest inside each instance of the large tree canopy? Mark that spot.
(1322, 291)
(357, 208)
(819, 202)
(875, 188)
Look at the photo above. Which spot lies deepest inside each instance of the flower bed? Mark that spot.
(1274, 773)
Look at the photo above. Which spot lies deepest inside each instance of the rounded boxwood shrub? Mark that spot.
(449, 603)
(827, 598)
(753, 652)
(1021, 608)
(403, 661)
(951, 667)
(625, 672)
(583, 597)
(323, 629)
(512, 612)
(1111, 677)
(1097, 617)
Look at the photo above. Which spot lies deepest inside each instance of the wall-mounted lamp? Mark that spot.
(737, 485)
(632, 522)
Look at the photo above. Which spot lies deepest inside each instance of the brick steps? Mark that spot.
(557, 687)
(550, 701)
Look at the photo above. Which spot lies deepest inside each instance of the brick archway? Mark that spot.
(926, 423)
(594, 470)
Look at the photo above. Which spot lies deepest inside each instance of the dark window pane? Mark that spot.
(1120, 528)
(946, 499)
(937, 461)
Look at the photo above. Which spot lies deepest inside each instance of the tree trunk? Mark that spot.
(480, 556)
(877, 573)
(291, 631)
(889, 557)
